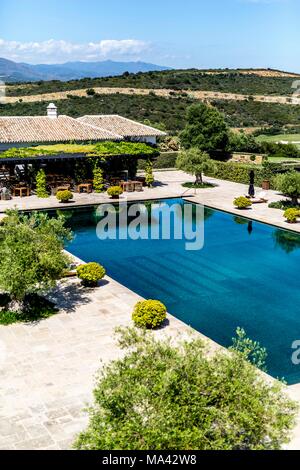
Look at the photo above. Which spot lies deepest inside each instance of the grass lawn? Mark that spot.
(36, 309)
(280, 137)
(283, 159)
(203, 185)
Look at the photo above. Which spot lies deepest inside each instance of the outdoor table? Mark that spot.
(85, 187)
(21, 191)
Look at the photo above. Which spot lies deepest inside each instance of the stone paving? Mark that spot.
(47, 369)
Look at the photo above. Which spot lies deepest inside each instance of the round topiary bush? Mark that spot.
(115, 191)
(90, 274)
(64, 196)
(291, 215)
(149, 314)
(242, 202)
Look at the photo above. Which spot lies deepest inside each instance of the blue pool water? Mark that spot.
(246, 275)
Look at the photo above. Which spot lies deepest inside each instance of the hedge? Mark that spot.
(164, 160)
(239, 173)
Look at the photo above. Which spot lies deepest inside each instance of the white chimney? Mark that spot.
(52, 111)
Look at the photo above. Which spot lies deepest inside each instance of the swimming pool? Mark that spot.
(246, 275)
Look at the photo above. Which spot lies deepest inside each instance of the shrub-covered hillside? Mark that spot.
(193, 79)
(159, 111)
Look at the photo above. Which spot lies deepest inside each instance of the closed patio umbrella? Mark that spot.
(251, 190)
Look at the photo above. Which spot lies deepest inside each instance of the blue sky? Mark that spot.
(177, 33)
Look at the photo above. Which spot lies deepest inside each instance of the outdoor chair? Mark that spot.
(260, 199)
(85, 188)
(138, 186)
(141, 179)
(128, 186)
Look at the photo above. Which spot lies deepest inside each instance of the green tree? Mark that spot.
(31, 253)
(195, 162)
(289, 185)
(205, 129)
(165, 396)
(41, 184)
(241, 142)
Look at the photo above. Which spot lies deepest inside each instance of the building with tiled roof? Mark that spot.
(24, 131)
(126, 127)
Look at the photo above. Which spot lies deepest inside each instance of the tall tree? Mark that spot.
(205, 129)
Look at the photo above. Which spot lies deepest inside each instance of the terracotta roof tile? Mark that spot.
(120, 125)
(39, 129)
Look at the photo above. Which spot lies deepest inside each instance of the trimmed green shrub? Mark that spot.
(291, 215)
(41, 184)
(64, 196)
(98, 179)
(115, 191)
(149, 314)
(149, 174)
(90, 274)
(242, 202)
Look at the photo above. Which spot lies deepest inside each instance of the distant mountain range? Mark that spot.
(19, 72)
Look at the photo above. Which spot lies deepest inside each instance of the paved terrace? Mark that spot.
(47, 369)
(168, 185)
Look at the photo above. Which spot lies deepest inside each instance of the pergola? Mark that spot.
(72, 164)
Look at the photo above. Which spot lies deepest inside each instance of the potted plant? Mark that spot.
(90, 274)
(115, 192)
(64, 196)
(291, 215)
(242, 202)
(149, 314)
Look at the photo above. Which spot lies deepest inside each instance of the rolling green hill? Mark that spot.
(230, 81)
(168, 112)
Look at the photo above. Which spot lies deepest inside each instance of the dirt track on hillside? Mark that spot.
(198, 95)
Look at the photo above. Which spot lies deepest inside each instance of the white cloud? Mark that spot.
(53, 51)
